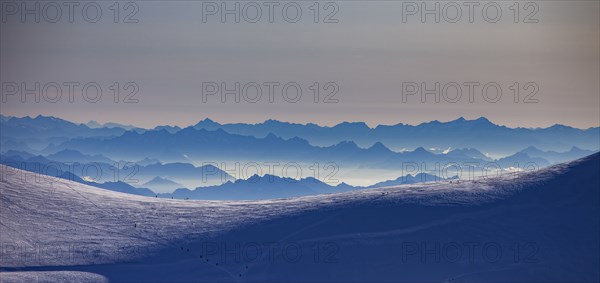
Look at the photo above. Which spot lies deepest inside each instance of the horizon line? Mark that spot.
(461, 118)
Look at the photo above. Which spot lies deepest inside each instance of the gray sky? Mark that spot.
(369, 53)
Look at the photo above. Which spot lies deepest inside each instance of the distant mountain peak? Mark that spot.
(347, 144)
(483, 119)
(480, 120)
(379, 147)
(576, 149)
(208, 124)
(161, 181)
(353, 125)
(273, 121)
(271, 136)
(93, 124)
(532, 150)
(560, 127)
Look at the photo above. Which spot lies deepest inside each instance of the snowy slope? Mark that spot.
(544, 224)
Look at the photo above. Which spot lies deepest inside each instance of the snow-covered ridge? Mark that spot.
(69, 232)
(104, 223)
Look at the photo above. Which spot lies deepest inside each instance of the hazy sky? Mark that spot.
(369, 54)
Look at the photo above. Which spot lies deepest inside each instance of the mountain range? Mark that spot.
(191, 145)
(479, 133)
(261, 187)
(253, 188)
(163, 159)
(40, 132)
(130, 173)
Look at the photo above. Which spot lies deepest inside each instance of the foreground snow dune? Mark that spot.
(537, 227)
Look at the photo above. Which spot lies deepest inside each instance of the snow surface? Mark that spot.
(68, 232)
